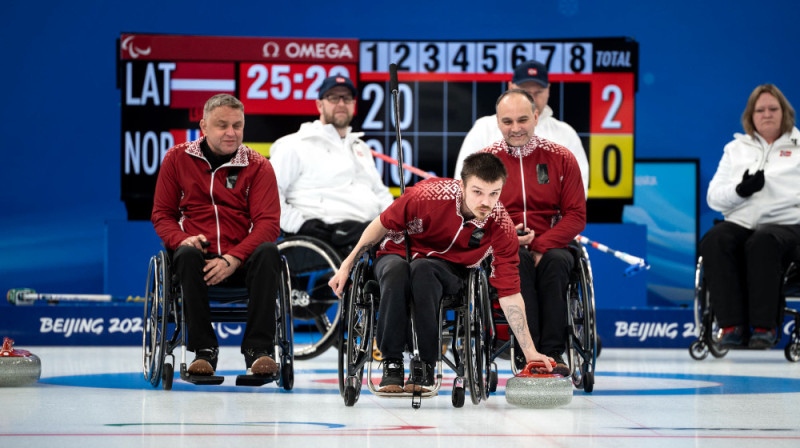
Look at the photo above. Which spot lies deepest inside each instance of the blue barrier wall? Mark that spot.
(61, 124)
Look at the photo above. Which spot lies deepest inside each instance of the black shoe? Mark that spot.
(732, 337)
(763, 338)
(428, 380)
(259, 361)
(393, 373)
(205, 362)
(561, 367)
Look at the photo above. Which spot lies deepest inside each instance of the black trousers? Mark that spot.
(544, 291)
(743, 270)
(260, 274)
(427, 280)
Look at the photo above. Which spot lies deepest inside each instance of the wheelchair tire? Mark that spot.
(474, 347)
(167, 376)
(285, 329)
(698, 350)
(350, 396)
(458, 396)
(588, 380)
(354, 336)
(311, 263)
(156, 312)
(792, 351)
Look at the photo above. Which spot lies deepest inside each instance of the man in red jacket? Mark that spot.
(452, 226)
(216, 206)
(545, 198)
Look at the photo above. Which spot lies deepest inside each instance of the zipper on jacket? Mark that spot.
(451, 242)
(524, 199)
(216, 211)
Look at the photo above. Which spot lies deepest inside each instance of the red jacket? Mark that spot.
(431, 212)
(236, 206)
(544, 190)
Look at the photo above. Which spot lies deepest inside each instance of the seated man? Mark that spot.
(451, 226)
(545, 193)
(216, 206)
(532, 77)
(328, 184)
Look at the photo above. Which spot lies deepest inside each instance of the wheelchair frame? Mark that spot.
(709, 333)
(164, 322)
(308, 283)
(466, 331)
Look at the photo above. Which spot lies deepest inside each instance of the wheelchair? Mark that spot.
(709, 332)
(462, 323)
(583, 345)
(164, 323)
(312, 262)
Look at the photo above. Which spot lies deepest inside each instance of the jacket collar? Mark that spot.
(240, 159)
(317, 129)
(521, 151)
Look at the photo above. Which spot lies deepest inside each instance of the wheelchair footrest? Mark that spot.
(256, 380)
(205, 380)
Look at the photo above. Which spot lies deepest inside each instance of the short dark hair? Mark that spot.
(485, 166)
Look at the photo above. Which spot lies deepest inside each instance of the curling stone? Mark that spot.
(18, 367)
(529, 389)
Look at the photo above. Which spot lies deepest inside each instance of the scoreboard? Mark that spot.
(444, 87)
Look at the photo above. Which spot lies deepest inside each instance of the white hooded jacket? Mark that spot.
(779, 201)
(324, 176)
(485, 132)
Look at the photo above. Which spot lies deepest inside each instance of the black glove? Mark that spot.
(316, 228)
(750, 183)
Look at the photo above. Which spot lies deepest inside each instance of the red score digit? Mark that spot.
(612, 103)
(284, 89)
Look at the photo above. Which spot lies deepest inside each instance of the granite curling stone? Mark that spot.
(530, 389)
(18, 367)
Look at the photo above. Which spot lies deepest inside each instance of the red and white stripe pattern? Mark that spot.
(193, 83)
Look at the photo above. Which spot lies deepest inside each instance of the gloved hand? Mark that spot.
(316, 228)
(750, 183)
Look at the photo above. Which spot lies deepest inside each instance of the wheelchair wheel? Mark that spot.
(355, 335)
(705, 321)
(474, 350)
(284, 330)
(156, 312)
(582, 314)
(792, 351)
(314, 306)
(487, 336)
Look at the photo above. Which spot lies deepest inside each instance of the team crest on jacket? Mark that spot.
(786, 153)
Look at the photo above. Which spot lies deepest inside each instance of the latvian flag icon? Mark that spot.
(193, 83)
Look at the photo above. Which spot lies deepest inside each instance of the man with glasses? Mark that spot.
(329, 187)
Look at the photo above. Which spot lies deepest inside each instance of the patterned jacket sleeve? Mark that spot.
(505, 274)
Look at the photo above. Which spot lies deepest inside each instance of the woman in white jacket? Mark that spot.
(757, 189)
